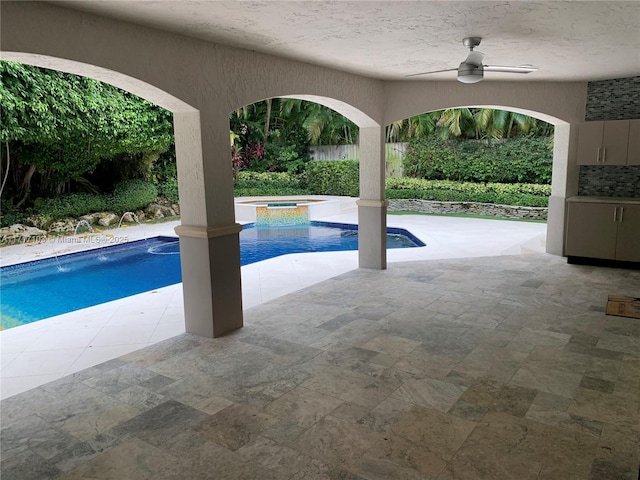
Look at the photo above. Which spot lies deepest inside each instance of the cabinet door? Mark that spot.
(591, 230)
(628, 243)
(633, 152)
(590, 143)
(615, 142)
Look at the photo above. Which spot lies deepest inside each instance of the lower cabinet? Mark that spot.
(603, 230)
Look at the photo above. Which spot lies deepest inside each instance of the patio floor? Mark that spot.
(499, 367)
(49, 349)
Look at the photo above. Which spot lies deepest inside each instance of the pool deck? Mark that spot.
(37, 353)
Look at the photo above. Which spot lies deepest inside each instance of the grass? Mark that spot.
(466, 215)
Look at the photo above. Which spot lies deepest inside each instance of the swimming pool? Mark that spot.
(44, 288)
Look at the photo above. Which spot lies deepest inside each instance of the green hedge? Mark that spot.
(334, 177)
(73, 205)
(517, 160)
(127, 196)
(523, 194)
(255, 184)
(132, 195)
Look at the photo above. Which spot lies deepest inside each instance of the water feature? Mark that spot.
(40, 289)
(133, 215)
(86, 224)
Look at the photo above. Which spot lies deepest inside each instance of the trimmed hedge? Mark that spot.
(254, 184)
(73, 205)
(522, 194)
(127, 196)
(517, 160)
(132, 195)
(334, 177)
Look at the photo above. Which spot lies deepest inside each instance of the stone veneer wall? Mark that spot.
(617, 99)
(488, 209)
(609, 181)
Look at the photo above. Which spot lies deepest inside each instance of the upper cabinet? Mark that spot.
(615, 142)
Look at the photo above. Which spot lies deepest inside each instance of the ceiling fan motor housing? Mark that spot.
(468, 73)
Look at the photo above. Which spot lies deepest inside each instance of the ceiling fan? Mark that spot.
(471, 70)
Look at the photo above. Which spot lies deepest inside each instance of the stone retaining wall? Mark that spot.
(490, 209)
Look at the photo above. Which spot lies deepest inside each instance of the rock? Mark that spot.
(128, 217)
(67, 225)
(107, 218)
(90, 218)
(176, 208)
(141, 215)
(156, 210)
(20, 232)
(40, 221)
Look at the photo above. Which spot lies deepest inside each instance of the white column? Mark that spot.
(372, 206)
(564, 184)
(209, 235)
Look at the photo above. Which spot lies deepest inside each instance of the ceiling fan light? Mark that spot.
(469, 73)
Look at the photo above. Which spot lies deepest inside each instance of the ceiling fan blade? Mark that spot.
(474, 58)
(434, 71)
(510, 69)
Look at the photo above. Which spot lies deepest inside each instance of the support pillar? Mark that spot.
(564, 184)
(372, 206)
(209, 235)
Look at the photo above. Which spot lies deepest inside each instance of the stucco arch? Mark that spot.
(556, 103)
(123, 81)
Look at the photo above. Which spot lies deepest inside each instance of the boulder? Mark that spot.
(66, 225)
(40, 221)
(155, 210)
(107, 218)
(20, 232)
(90, 218)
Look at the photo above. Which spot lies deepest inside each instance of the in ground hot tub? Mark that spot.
(285, 210)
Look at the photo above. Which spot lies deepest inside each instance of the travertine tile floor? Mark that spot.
(485, 368)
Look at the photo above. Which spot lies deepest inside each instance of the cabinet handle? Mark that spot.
(598, 156)
(615, 214)
(621, 213)
(604, 154)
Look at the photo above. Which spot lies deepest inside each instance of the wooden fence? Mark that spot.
(394, 154)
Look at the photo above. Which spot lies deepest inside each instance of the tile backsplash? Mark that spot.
(617, 99)
(609, 181)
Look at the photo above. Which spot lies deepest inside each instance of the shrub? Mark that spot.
(73, 205)
(334, 177)
(523, 194)
(132, 195)
(254, 184)
(517, 160)
(169, 189)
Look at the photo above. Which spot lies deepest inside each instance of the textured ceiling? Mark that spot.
(566, 40)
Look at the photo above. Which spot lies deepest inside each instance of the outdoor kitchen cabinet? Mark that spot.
(612, 142)
(605, 229)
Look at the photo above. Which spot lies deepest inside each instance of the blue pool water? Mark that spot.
(44, 288)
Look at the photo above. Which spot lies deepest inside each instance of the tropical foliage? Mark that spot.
(517, 160)
(58, 128)
(340, 177)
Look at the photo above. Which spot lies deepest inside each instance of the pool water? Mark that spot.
(44, 288)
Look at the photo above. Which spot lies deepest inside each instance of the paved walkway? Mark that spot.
(498, 368)
(47, 350)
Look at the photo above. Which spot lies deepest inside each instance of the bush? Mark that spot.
(169, 189)
(517, 160)
(334, 177)
(132, 195)
(523, 194)
(255, 184)
(73, 205)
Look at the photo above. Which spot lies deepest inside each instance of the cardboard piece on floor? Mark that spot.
(623, 306)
